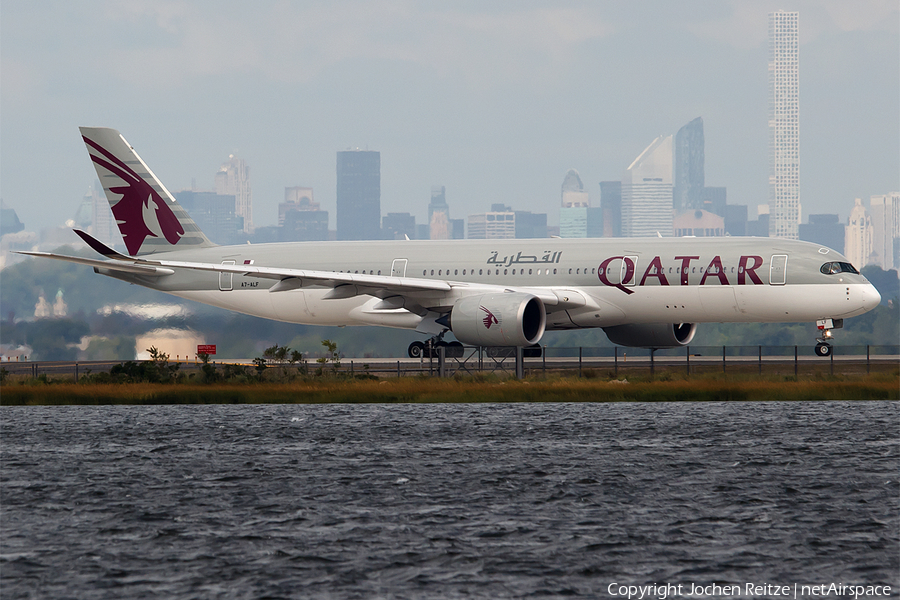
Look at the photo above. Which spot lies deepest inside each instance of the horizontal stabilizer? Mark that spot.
(110, 265)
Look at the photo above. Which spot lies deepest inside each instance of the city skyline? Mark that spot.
(285, 87)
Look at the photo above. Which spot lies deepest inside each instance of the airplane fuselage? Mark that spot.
(610, 281)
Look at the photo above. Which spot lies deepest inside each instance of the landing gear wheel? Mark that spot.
(454, 350)
(416, 350)
(823, 349)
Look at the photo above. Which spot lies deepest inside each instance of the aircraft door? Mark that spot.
(226, 279)
(398, 267)
(628, 273)
(778, 269)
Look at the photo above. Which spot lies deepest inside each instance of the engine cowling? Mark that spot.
(652, 335)
(505, 319)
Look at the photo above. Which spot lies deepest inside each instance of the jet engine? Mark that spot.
(652, 335)
(504, 319)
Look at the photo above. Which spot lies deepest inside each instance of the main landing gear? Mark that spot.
(429, 349)
(823, 348)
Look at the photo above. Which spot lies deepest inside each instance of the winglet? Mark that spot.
(100, 247)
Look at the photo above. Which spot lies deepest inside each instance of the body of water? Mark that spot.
(448, 501)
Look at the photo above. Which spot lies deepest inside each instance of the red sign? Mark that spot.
(206, 349)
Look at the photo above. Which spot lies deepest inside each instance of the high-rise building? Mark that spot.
(826, 230)
(530, 225)
(736, 219)
(9, 220)
(296, 198)
(885, 210)
(300, 218)
(398, 226)
(233, 179)
(698, 223)
(611, 208)
(573, 207)
(858, 236)
(689, 162)
(358, 195)
(647, 192)
(439, 215)
(784, 125)
(573, 194)
(213, 213)
(498, 224)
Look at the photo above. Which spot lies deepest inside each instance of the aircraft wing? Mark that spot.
(343, 285)
(346, 285)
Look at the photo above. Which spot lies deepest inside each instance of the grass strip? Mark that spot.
(450, 391)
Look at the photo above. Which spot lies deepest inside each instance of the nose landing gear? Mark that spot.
(824, 348)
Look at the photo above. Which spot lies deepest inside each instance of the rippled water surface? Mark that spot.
(444, 501)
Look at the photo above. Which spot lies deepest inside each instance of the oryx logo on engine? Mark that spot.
(489, 318)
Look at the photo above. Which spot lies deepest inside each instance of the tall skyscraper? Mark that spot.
(499, 224)
(439, 214)
(784, 125)
(647, 192)
(358, 195)
(611, 205)
(573, 194)
(885, 210)
(233, 179)
(689, 180)
(858, 236)
(573, 208)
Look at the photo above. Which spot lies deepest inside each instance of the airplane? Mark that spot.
(642, 292)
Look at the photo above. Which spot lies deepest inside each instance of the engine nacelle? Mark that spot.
(652, 335)
(505, 319)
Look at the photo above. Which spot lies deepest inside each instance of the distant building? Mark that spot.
(714, 200)
(358, 195)
(305, 226)
(530, 225)
(458, 229)
(594, 222)
(397, 226)
(759, 227)
(698, 223)
(736, 219)
(214, 214)
(300, 218)
(611, 208)
(688, 167)
(573, 222)
(296, 198)
(233, 179)
(9, 220)
(439, 215)
(858, 242)
(573, 194)
(647, 192)
(784, 124)
(826, 230)
(498, 224)
(885, 211)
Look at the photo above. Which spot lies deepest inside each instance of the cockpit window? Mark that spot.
(831, 268)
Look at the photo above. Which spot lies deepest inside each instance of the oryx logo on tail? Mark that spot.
(489, 318)
(136, 207)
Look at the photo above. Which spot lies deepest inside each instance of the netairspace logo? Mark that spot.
(753, 590)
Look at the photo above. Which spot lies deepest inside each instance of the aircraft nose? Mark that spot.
(871, 297)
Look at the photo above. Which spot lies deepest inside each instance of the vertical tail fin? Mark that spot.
(148, 217)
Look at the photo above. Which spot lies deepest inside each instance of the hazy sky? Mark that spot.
(494, 100)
